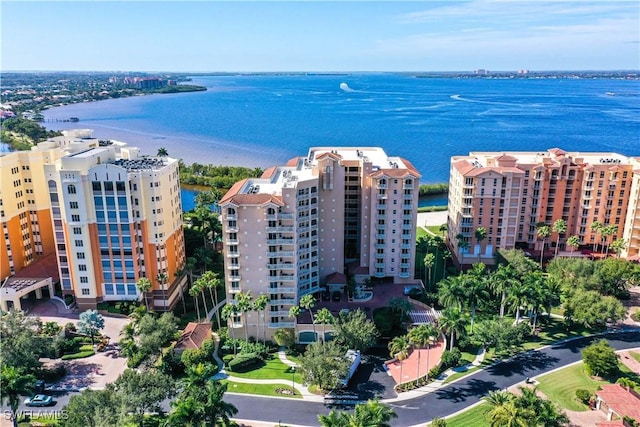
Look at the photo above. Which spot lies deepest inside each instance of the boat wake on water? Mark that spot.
(345, 87)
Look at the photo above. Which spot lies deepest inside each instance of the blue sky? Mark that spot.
(319, 35)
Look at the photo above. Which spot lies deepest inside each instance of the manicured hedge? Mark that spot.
(244, 361)
(79, 355)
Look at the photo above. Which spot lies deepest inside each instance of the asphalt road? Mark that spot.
(445, 401)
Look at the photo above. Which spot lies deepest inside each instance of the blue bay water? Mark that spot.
(262, 120)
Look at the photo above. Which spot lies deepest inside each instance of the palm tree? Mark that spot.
(260, 304)
(194, 291)
(543, 233)
(400, 306)
(324, 317)
(200, 284)
(451, 292)
(211, 281)
(574, 243)
(609, 230)
(229, 311)
(308, 302)
(399, 348)
(518, 296)
(429, 260)
(162, 152)
(537, 294)
(508, 415)
(481, 234)
(445, 256)
(245, 305)
(144, 284)
(596, 227)
(618, 245)
(501, 281)
(216, 410)
(475, 289)
(454, 322)
(162, 280)
(559, 227)
(14, 383)
(419, 337)
(443, 229)
(372, 413)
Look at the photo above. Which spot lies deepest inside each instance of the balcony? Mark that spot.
(284, 254)
(405, 246)
(280, 229)
(231, 242)
(405, 265)
(282, 266)
(283, 290)
(407, 186)
(379, 207)
(231, 217)
(233, 254)
(380, 246)
(407, 217)
(283, 301)
(233, 278)
(286, 216)
(283, 278)
(233, 267)
(382, 196)
(278, 325)
(408, 197)
(281, 241)
(382, 216)
(407, 226)
(379, 265)
(279, 313)
(383, 186)
(381, 236)
(231, 229)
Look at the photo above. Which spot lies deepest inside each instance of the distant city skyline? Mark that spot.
(323, 36)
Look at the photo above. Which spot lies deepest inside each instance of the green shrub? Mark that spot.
(583, 395)
(244, 361)
(285, 337)
(52, 375)
(435, 371)
(79, 355)
(451, 358)
(136, 359)
(438, 422)
(227, 358)
(86, 347)
(635, 316)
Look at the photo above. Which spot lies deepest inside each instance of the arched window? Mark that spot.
(71, 189)
(231, 211)
(271, 211)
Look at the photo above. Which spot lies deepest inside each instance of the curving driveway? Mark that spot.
(446, 400)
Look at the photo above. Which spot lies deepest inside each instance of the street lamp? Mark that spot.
(293, 380)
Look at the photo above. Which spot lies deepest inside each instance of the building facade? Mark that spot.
(109, 216)
(510, 194)
(336, 209)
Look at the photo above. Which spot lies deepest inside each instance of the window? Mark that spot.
(82, 267)
(84, 279)
(73, 205)
(85, 291)
(77, 230)
(71, 189)
(75, 218)
(79, 243)
(80, 255)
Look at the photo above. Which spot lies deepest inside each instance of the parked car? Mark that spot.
(39, 400)
(39, 386)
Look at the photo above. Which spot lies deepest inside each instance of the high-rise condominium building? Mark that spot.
(110, 215)
(298, 224)
(510, 194)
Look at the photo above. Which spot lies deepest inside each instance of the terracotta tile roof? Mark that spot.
(463, 166)
(293, 162)
(557, 151)
(620, 400)
(505, 157)
(411, 168)
(336, 278)
(234, 196)
(268, 173)
(235, 188)
(334, 156)
(43, 268)
(194, 335)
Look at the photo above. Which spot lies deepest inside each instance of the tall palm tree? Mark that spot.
(538, 293)
(475, 290)
(308, 302)
(260, 304)
(543, 233)
(162, 281)
(162, 152)
(211, 281)
(200, 284)
(324, 317)
(245, 305)
(574, 243)
(372, 413)
(419, 337)
(454, 322)
(501, 281)
(609, 230)
(229, 311)
(13, 383)
(596, 227)
(451, 291)
(216, 410)
(518, 296)
(446, 255)
(508, 415)
(443, 229)
(194, 291)
(429, 260)
(559, 227)
(144, 284)
(481, 234)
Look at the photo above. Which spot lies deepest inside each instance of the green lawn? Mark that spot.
(635, 355)
(471, 418)
(421, 232)
(260, 389)
(560, 386)
(435, 229)
(272, 369)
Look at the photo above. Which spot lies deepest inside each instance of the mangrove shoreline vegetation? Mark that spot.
(21, 134)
